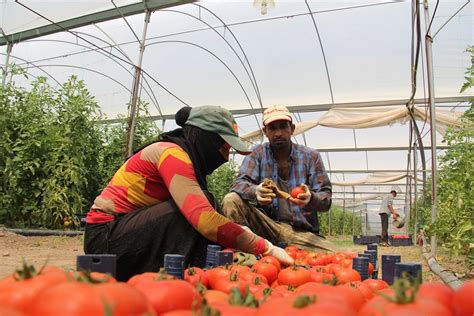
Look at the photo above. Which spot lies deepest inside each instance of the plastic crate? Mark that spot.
(404, 241)
(365, 240)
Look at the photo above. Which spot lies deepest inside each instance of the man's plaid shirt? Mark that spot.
(306, 166)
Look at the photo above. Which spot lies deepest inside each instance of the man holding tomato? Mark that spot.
(292, 168)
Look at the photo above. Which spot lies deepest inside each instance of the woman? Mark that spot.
(157, 203)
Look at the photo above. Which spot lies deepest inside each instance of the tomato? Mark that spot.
(294, 276)
(302, 305)
(76, 298)
(297, 191)
(213, 296)
(320, 277)
(225, 309)
(371, 268)
(232, 281)
(272, 260)
(463, 301)
(239, 268)
(347, 275)
(215, 274)
(169, 295)
(5, 311)
(429, 307)
(19, 294)
(346, 263)
(149, 276)
(267, 269)
(363, 288)
(376, 285)
(437, 291)
(253, 277)
(194, 275)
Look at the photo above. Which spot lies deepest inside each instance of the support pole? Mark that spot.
(5, 67)
(353, 208)
(132, 115)
(415, 205)
(431, 96)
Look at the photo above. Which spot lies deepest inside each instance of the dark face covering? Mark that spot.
(203, 148)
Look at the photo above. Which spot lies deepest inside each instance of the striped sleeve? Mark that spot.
(176, 170)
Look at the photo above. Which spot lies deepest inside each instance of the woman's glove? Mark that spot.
(278, 253)
(303, 198)
(264, 195)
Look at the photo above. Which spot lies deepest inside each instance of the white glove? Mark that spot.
(279, 253)
(264, 195)
(303, 198)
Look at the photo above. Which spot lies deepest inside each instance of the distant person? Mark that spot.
(254, 203)
(157, 203)
(385, 210)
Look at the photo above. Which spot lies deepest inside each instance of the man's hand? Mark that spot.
(303, 198)
(264, 195)
(395, 215)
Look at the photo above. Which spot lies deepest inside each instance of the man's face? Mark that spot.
(279, 133)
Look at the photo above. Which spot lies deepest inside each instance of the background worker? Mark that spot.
(251, 203)
(386, 208)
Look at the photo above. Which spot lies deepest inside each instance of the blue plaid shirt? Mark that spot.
(306, 166)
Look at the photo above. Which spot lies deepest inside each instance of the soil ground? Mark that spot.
(61, 251)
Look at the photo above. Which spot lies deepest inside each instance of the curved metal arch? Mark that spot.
(322, 50)
(91, 70)
(36, 66)
(217, 57)
(251, 77)
(152, 96)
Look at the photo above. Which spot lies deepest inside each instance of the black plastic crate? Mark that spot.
(365, 240)
(396, 242)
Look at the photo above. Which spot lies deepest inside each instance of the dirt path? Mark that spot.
(62, 251)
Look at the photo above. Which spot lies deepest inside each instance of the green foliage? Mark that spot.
(54, 157)
(454, 185)
(341, 223)
(48, 152)
(220, 180)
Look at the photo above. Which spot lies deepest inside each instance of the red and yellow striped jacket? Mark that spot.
(163, 171)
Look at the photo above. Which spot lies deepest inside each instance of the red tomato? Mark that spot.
(347, 275)
(194, 275)
(294, 276)
(363, 288)
(266, 269)
(19, 294)
(233, 281)
(437, 291)
(251, 277)
(320, 277)
(463, 301)
(213, 296)
(169, 295)
(149, 276)
(376, 285)
(216, 274)
(239, 268)
(296, 191)
(272, 260)
(380, 306)
(302, 305)
(76, 298)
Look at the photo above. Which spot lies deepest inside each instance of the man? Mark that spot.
(251, 203)
(385, 209)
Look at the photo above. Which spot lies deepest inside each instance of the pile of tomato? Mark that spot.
(318, 284)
